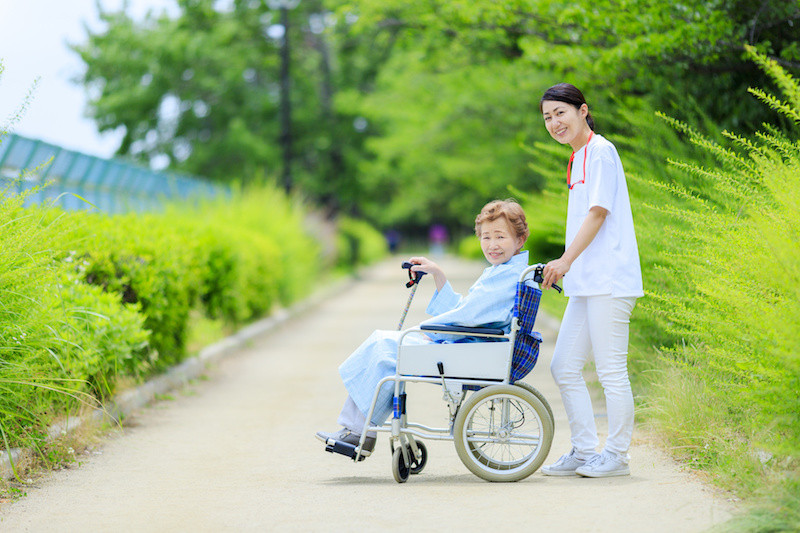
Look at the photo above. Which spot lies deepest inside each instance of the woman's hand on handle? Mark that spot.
(423, 264)
(554, 271)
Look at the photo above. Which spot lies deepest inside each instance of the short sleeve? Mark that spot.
(602, 178)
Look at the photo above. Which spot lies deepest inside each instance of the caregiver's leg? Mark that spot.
(609, 320)
(570, 354)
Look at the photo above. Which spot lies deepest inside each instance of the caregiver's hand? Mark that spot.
(554, 271)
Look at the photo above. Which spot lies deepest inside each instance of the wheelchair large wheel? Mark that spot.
(478, 448)
(503, 433)
(533, 390)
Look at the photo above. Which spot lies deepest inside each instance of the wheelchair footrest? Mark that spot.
(344, 448)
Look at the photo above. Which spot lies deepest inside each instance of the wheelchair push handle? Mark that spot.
(413, 277)
(538, 277)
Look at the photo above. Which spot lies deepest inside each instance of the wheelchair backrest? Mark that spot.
(526, 305)
(526, 341)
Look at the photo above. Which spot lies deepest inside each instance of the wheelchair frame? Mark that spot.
(475, 448)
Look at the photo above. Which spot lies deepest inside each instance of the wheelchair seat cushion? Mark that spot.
(462, 329)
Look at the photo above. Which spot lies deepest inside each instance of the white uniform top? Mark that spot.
(610, 264)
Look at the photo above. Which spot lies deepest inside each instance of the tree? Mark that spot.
(668, 50)
(444, 143)
(459, 95)
(414, 111)
(200, 93)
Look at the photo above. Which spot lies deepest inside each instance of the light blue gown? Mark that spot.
(489, 303)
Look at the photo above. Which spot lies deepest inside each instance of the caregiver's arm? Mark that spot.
(555, 269)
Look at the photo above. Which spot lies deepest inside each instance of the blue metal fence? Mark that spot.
(110, 184)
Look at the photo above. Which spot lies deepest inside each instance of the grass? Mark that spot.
(723, 392)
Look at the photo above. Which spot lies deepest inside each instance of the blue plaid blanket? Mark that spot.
(526, 344)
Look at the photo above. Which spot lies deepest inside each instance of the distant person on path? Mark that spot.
(438, 238)
(393, 240)
(602, 279)
(502, 230)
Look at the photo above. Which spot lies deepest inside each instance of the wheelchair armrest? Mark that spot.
(462, 329)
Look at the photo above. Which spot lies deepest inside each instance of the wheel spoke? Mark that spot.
(503, 432)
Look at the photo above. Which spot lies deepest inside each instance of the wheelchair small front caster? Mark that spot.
(400, 469)
(417, 465)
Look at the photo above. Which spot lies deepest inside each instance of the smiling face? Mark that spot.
(498, 241)
(566, 123)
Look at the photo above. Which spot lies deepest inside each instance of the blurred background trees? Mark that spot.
(411, 113)
(200, 93)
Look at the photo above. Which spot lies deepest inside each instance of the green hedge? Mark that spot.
(358, 243)
(62, 342)
(87, 299)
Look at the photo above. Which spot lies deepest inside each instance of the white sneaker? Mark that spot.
(605, 464)
(565, 466)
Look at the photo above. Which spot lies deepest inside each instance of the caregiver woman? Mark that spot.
(602, 279)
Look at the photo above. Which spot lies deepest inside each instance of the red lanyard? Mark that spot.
(572, 158)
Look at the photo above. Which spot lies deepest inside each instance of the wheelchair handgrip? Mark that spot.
(538, 278)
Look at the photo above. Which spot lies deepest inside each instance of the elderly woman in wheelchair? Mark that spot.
(476, 345)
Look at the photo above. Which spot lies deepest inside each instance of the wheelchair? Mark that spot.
(502, 428)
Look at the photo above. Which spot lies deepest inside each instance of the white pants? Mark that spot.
(598, 325)
(351, 418)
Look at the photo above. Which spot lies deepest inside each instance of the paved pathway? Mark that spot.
(236, 452)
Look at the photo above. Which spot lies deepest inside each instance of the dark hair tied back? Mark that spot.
(569, 94)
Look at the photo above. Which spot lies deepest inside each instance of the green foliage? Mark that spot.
(257, 251)
(457, 98)
(144, 261)
(358, 243)
(89, 298)
(237, 257)
(60, 341)
(389, 95)
(665, 50)
(739, 313)
(199, 91)
(196, 84)
(545, 212)
(448, 141)
(107, 335)
(780, 513)
(470, 247)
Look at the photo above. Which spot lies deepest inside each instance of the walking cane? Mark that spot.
(413, 282)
